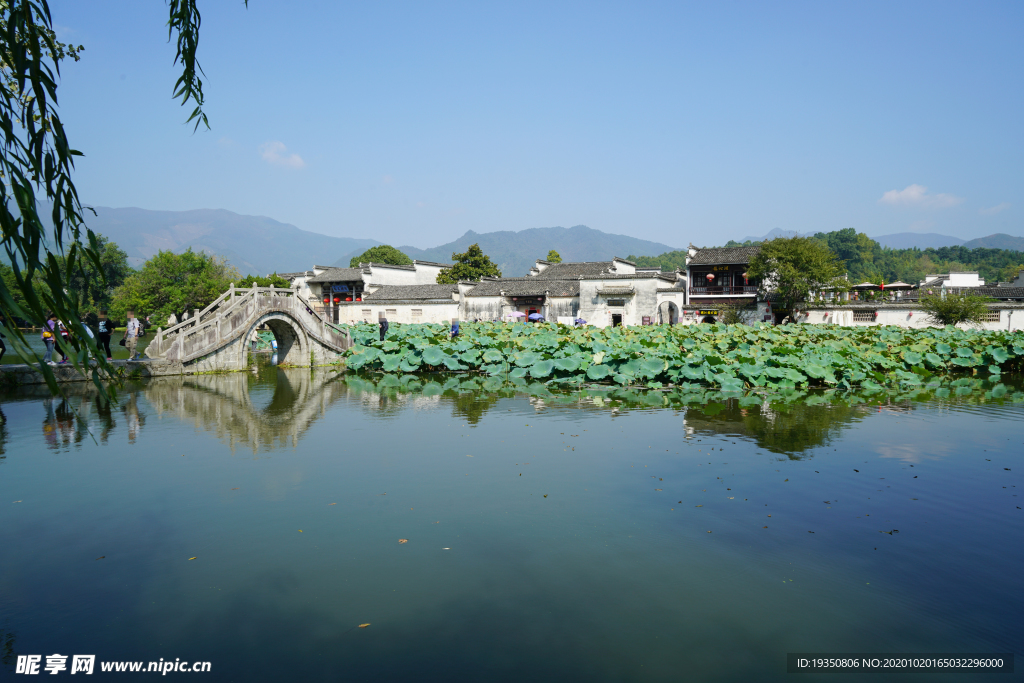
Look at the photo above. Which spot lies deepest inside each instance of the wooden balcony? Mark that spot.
(724, 290)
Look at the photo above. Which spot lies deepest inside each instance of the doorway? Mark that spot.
(708, 319)
(616, 319)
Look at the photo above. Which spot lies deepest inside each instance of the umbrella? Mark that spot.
(580, 321)
(536, 317)
(516, 314)
(866, 285)
(899, 285)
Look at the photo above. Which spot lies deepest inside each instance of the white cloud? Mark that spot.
(917, 195)
(276, 153)
(993, 210)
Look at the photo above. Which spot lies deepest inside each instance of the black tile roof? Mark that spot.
(338, 275)
(1002, 292)
(431, 263)
(526, 286)
(412, 292)
(724, 255)
(574, 271)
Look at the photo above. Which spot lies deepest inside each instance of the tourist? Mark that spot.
(383, 322)
(48, 336)
(105, 327)
(66, 337)
(455, 328)
(131, 335)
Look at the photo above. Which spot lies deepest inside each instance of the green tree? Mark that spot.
(793, 267)
(95, 286)
(172, 283)
(274, 279)
(954, 309)
(382, 253)
(553, 257)
(1011, 272)
(668, 262)
(471, 265)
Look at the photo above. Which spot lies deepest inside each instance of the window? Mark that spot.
(390, 312)
(991, 317)
(864, 316)
(366, 314)
(417, 313)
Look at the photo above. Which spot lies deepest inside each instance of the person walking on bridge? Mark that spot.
(132, 331)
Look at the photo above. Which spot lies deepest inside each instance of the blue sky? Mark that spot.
(413, 122)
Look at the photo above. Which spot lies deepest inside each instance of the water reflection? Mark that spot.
(273, 407)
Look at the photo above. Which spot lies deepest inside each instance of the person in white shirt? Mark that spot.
(131, 335)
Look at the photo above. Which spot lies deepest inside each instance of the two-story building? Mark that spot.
(718, 279)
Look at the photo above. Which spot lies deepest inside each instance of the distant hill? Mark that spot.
(918, 240)
(516, 252)
(997, 241)
(253, 244)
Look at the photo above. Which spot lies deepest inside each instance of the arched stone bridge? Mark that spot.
(217, 337)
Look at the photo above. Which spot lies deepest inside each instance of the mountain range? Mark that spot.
(253, 244)
(261, 245)
(919, 240)
(516, 252)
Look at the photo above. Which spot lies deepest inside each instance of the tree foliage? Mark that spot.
(867, 260)
(473, 264)
(260, 281)
(382, 253)
(668, 262)
(36, 166)
(794, 267)
(955, 308)
(172, 283)
(553, 257)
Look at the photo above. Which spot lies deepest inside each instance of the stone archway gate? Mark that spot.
(216, 338)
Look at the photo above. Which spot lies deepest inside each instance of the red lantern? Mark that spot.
(327, 299)
(348, 298)
(337, 299)
(711, 277)
(359, 298)
(745, 279)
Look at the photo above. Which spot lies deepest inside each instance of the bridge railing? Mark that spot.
(204, 327)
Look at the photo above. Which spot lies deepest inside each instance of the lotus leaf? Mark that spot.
(433, 355)
(569, 364)
(525, 359)
(493, 356)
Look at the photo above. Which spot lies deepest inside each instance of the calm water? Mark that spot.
(549, 538)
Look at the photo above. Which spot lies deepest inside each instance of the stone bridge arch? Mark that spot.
(217, 338)
(293, 345)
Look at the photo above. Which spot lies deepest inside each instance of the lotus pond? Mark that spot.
(484, 528)
(730, 357)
